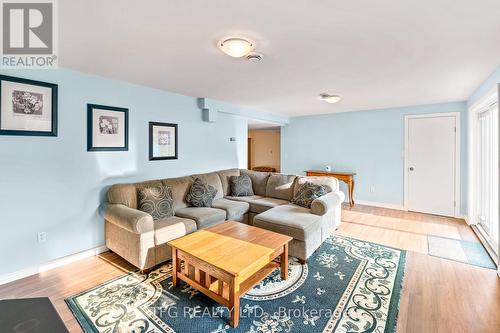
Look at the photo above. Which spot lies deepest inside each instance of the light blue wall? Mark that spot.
(53, 184)
(369, 143)
(485, 87)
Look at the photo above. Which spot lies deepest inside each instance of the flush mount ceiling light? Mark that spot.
(330, 98)
(236, 47)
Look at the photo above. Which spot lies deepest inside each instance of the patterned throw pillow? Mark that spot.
(157, 201)
(241, 186)
(201, 194)
(307, 192)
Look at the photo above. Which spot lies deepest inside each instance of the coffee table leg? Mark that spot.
(174, 267)
(234, 303)
(284, 262)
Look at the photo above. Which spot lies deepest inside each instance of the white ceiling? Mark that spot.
(375, 54)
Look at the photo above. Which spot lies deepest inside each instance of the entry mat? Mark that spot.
(472, 253)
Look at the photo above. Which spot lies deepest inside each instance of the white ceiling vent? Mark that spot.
(254, 57)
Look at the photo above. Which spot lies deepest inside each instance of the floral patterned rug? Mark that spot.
(347, 285)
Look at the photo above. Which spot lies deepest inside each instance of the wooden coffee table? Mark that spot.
(226, 260)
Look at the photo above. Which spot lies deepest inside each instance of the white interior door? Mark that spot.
(431, 164)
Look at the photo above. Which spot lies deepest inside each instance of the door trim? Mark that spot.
(249, 153)
(490, 98)
(457, 155)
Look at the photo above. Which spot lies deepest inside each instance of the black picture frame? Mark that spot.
(54, 99)
(160, 158)
(90, 117)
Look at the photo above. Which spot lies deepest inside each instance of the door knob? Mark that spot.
(411, 169)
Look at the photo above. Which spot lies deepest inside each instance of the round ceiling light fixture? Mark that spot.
(236, 47)
(330, 98)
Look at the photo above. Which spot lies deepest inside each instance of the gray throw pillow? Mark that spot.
(157, 201)
(307, 193)
(201, 194)
(241, 186)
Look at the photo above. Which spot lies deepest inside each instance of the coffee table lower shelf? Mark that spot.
(220, 286)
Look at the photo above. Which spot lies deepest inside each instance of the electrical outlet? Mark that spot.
(42, 237)
(372, 189)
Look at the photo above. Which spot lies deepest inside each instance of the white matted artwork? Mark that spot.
(162, 141)
(107, 128)
(27, 107)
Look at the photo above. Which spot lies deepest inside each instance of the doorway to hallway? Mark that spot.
(264, 146)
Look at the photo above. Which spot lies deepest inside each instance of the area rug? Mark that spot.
(472, 253)
(347, 285)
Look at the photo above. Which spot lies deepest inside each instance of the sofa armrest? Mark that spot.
(323, 204)
(130, 219)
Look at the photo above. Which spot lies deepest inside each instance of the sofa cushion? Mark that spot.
(123, 194)
(172, 227)
(280, 186)
(332, 184)
(180, 187)
(224, 176)
(291, 220)
(241, 186)
(307, 193)
(201, 194)
(234, 209)
(259, 180)
(204, 216)
(212, 179)
(263, 204)
(248, 199)
(156, 201)
(126, 194)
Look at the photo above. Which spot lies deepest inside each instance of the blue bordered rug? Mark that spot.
(347, 285)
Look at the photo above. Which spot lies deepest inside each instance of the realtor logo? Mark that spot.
(28, 34)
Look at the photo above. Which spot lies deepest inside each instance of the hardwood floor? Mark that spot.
(439, 295)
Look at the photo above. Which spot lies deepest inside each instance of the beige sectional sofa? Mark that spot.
(134, 235)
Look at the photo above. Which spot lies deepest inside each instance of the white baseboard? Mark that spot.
(396, 207)
(465, 218)
(6, 278)
(380, 204)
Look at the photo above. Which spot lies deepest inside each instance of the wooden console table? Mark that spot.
(346, 177)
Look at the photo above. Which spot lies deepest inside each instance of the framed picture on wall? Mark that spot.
(162, 141)
(107, 128)
(27, 107)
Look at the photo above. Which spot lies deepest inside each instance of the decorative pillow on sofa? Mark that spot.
(201, 194)
(157, 201)
(241, 186)
(307, 192)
